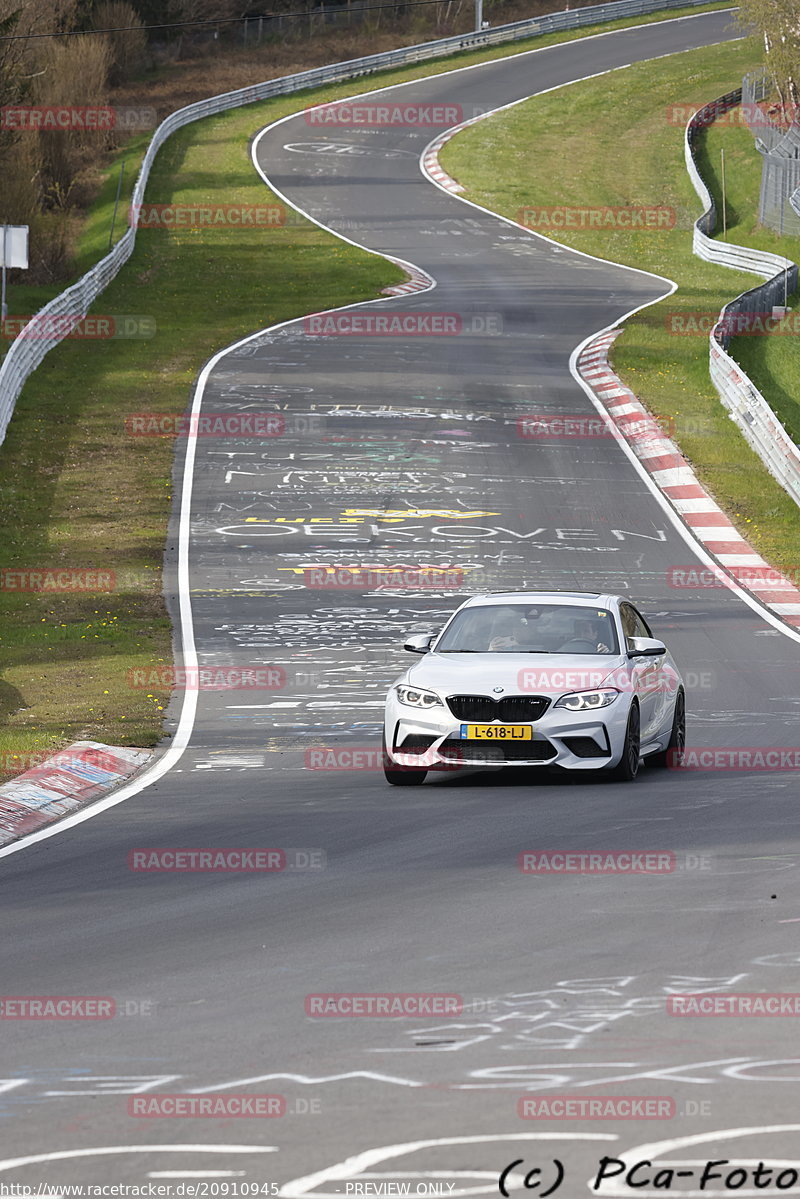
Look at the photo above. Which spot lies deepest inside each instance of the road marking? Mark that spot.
(353, 1167)
(671, 476)
(189, 702)
(304, 1078)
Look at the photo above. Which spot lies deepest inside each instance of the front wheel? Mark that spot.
(627, 768)
(400, 776)
(673, 755)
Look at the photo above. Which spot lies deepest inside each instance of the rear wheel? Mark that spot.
(673, 754)
(627, 768)
(400, 776)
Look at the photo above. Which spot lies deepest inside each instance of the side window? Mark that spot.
(628, 618)
(633, 625)
(642, 628)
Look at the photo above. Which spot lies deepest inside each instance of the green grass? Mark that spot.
(94, 231)
(93, 239)
(76, 491)
(553, 150)
(97, 230)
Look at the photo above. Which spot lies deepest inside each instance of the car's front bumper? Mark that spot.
(572, 740)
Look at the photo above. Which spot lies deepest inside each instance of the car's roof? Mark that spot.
(590, 599)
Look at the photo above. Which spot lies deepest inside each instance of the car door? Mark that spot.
(646, 674)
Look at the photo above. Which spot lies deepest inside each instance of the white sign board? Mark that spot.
(14, 246)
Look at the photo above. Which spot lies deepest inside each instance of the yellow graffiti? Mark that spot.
(421, 568)
(357, 516)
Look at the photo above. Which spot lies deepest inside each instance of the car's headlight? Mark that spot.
(416, 698)
(587, 701)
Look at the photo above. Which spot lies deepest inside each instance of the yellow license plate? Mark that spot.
(496, 732)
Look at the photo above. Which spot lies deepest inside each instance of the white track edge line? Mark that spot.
(189, 705)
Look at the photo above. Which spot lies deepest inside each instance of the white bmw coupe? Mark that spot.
(551, 679)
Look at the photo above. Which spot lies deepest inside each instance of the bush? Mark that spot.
(129, 55)
(73, 73)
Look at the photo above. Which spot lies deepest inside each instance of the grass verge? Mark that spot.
(77, 492)
(172, 86)
(552, 151)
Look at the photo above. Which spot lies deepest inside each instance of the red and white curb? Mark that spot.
(668, 468)
(417, 281)
(79, 774)
(430, 159)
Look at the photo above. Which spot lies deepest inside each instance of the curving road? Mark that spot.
(404, 449)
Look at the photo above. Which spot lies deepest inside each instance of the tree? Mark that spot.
(777, 23)
(128, 48)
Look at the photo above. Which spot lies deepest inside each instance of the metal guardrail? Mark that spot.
(745, 404)
(43, 332)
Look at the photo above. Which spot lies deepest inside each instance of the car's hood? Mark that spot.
(544, 674)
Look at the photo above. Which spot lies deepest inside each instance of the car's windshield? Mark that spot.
(530, 629)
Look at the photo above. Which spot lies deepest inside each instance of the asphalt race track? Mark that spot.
(404, 449)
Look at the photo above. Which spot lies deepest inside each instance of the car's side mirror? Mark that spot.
(419, 643)
(645, 647)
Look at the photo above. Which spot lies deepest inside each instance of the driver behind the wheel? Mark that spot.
(592, 631)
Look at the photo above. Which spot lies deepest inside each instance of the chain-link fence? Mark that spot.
(780, 179)
(304, 24)
(755, 90)
(778, 143)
